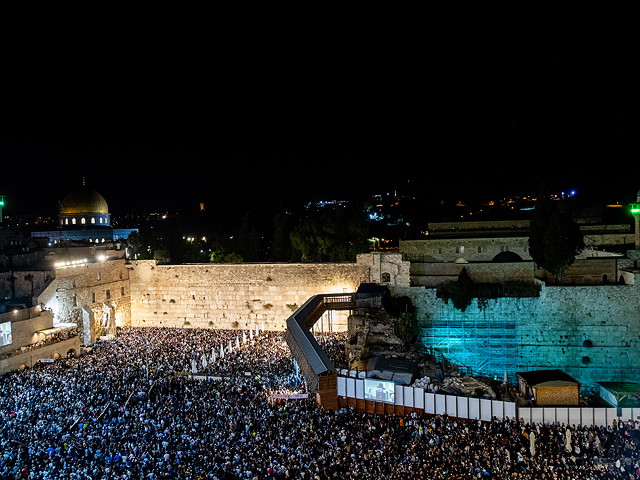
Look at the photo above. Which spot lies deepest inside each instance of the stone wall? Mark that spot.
(475, 249)
(235, 295)
(22, 285)
(560, 395)
(23, 331)
(88, 293)
(590, 332)
(32, 357)
(433, 274)
(485, 225)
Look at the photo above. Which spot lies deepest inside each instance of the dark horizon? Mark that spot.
(160, 122)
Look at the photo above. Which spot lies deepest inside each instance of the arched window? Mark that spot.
(93, 219)
(73, 221)
(90, 241)
(100, 219)
(66, 221)
(82, 221)
(386, 277)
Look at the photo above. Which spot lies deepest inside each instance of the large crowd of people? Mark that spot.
(131, 409)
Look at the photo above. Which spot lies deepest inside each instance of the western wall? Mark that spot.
(591, 332)
(245, 295)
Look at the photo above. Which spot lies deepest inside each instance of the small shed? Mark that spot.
(549, 387)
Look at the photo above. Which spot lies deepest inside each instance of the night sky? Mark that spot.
(162, 110)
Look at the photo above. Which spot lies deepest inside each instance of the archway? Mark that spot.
(507, 257)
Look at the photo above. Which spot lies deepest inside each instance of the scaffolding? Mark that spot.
(481, 345)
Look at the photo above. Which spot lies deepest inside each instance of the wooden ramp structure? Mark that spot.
(318, 370)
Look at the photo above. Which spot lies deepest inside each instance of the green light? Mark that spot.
(635, 208)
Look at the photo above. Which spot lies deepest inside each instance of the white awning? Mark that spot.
(57, 328)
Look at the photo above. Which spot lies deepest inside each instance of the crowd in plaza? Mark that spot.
(124, 411)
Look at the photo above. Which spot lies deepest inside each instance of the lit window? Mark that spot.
(93, 220)
(73, 221)
(82, 221)
(100, 219)
(66, 221)
(5, 334)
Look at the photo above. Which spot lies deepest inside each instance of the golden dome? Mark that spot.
(82, 201)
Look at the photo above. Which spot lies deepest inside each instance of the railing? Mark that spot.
(312, 360)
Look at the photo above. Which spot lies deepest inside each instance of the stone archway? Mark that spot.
(507, 257)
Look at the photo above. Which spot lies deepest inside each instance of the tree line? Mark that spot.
(327, 236)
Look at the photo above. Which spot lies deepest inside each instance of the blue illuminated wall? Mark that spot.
(590, 332)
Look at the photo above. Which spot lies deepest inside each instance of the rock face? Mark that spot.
(372, 332)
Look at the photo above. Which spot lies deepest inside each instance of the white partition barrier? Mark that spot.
(399, 399)
(485, 410)
(497, 408)
(536, 415)
(626, 414)
(342, 386)
(575, 416)
(474, 408)
(524, 414)
(612, 414)
(587, 416)
(351, 387)
(360, 389)
(549, 415)
(510, 410)
(408, 396)
(452, 403)
(430, 403)
(562, 415)
(463, 407)
(441, 406)
(636, 414)
(419, 398)
(599, 417)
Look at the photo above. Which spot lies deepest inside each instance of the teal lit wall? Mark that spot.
(590, 332)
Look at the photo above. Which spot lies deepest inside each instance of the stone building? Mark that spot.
(28, 336)
(500, 241)
(549, 388)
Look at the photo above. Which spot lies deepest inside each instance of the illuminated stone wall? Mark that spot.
(590, 332)
(79, 295)
(235, 295)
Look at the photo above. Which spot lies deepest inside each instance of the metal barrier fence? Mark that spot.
(484, 409)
